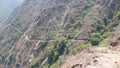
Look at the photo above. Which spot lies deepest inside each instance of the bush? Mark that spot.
(119, 17)
(11, 58)
(43, 44)
(95, 41)
(58, 48)
(37, 62)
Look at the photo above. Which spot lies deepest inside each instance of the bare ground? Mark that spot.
(94, 57)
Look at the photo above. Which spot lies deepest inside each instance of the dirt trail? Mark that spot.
(94, 57)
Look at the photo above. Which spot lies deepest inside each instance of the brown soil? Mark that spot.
(94, 57)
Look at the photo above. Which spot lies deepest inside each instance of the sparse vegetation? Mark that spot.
(11, 58)
(79, 48)
(58, 48)
(43, 45)
(37, 62)
(52, 31)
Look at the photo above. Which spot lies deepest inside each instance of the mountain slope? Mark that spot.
(41, 33)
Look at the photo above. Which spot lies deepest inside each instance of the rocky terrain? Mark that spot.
(62, 33)
(95, 57)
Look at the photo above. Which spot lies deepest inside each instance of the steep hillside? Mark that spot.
(41, 33)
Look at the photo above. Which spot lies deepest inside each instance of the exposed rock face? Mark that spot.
(40, 31)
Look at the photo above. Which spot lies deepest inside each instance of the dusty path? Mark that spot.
(97, 57)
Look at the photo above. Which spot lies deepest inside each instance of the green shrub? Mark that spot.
(95, 41)
(43, 44)
(58, 48)
(37, 62)
(11, 58)
(46, 66)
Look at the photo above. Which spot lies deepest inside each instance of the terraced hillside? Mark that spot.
(41, 33)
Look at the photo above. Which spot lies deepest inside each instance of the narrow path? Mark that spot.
(37, 44)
